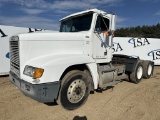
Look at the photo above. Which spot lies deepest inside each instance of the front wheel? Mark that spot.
(75, 89)
(137, 74)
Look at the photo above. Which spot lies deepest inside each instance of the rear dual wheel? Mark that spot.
(148, 69)
(137, 74)
(143, 69)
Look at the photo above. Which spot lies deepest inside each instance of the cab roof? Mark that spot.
(83, 12)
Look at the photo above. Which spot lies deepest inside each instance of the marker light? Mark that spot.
(106, 33)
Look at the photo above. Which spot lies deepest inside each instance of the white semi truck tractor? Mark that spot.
(66, 66)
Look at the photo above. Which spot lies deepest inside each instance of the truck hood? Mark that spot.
(51, 36)
(39, 45)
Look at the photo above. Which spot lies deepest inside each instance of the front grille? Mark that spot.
(14, 57)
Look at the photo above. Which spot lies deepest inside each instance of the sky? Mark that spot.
(45, 14)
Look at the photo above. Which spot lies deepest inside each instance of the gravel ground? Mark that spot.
(125, 101)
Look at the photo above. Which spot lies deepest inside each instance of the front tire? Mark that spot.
(75, 89)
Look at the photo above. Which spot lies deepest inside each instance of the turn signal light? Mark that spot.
(38, 72)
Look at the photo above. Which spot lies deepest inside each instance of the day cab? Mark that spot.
(66, 66)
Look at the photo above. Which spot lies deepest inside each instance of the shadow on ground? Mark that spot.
(80, 118)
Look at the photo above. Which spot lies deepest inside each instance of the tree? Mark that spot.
(139, 31)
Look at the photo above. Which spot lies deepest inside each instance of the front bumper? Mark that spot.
(45, 93)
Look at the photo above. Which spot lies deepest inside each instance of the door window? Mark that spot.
(102, 24)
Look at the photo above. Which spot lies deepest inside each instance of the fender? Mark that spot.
(55, 65)
(95, 76)
(129, 61)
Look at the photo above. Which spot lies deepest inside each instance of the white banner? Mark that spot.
(5, 33)
(145, 48)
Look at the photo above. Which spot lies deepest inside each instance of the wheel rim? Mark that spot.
(76, 91)
(150, 69)
(139, 72)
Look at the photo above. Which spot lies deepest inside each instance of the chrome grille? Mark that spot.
(14, 57)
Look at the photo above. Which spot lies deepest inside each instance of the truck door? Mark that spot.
(102, 37)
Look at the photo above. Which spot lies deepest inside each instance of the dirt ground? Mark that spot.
(126, 101)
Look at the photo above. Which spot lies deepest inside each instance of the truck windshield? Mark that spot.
(80, 23)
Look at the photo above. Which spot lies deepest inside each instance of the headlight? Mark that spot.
(33, 71)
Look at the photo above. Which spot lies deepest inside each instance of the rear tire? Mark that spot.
(148, 69)
(137, 74)
(75, 89)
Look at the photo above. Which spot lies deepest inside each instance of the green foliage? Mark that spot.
(139, 31)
